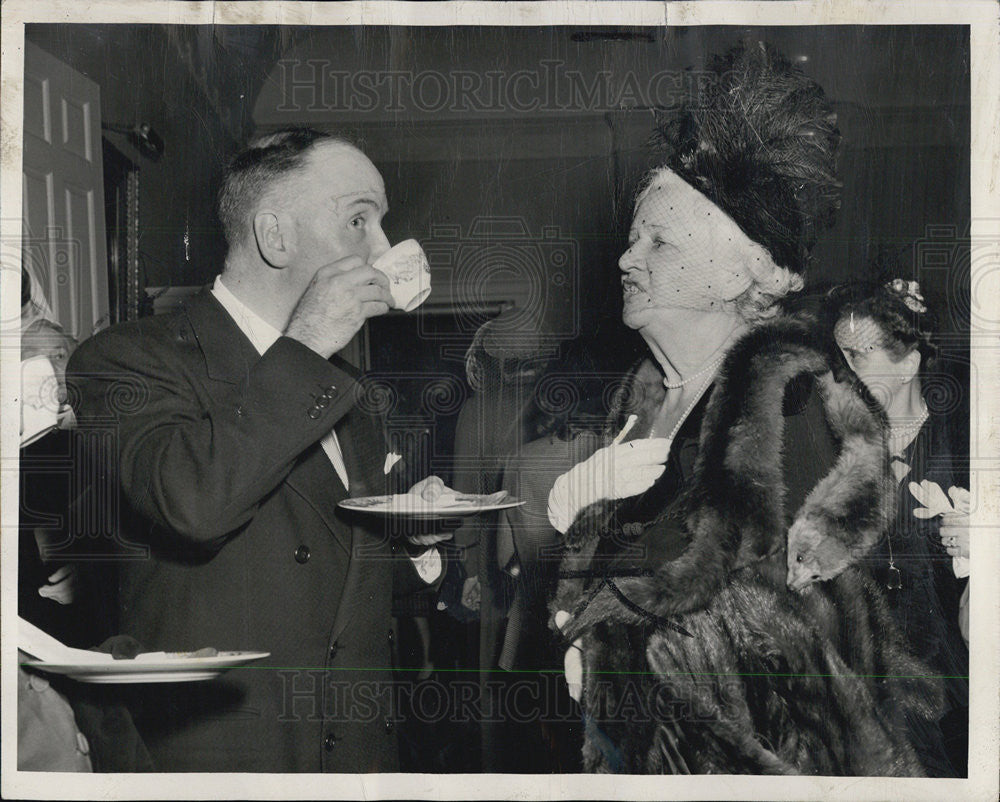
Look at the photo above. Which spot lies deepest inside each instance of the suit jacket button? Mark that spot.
(323, 401)
(391, 636)
(331, 391)
(389, 726)
(315, 412)
(302, 554)
(329, 742)
(239, 411)
(334, 649)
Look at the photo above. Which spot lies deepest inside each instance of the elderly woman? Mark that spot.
(700, 642)
(886, 333)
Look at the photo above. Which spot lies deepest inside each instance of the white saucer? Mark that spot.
(409, 505)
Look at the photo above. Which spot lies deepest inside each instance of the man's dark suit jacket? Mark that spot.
(216, 455)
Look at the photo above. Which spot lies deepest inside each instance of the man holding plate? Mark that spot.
(235, 439)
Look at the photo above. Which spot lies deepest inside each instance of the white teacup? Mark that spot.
(409, 273)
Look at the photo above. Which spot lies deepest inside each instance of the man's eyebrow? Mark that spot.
(342, 206)
(365, 202)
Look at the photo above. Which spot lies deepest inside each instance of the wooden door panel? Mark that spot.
(37, 112)
(76, 128)
(80, 225)
(37, 203)
(63, 226)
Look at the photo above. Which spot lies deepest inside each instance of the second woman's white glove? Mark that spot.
(954, 510)
(616, 471)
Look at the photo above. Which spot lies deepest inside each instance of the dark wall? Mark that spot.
(500, 210)
(902, 96)
(901, 93)
(143, 78)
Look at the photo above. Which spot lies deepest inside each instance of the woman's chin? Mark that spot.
(632, 318)
(636, 310)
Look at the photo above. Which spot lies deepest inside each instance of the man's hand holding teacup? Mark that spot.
(339, 299)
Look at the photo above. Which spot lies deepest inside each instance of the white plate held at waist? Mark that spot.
(410, 505)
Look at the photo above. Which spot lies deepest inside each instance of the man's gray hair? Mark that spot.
(252, 171)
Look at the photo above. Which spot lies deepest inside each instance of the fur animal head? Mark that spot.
(845, 514)
(816, 552)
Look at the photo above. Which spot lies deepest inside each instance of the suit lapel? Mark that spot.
(228, 352)
(315, 479)
(363, 446)
(362, 443)
(229, 356)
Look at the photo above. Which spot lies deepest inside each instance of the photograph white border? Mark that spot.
(984, 19)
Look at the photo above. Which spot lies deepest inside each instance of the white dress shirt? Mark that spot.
(263, 335)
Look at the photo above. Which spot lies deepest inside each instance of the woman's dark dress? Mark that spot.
(925, 606)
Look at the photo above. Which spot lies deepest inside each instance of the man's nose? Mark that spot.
(379, 243)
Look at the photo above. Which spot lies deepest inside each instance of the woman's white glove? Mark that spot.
(954, 510)
(616, 471)
(572, 661)
(573, 668)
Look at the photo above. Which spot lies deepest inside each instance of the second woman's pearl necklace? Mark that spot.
(903, 429)
(901, 435)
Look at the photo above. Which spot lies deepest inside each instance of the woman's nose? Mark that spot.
(630, 259)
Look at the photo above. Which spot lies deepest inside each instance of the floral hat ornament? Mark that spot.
(909, 294)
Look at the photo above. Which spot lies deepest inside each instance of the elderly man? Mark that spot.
(237, 435)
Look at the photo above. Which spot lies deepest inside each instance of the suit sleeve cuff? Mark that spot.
(294, 379)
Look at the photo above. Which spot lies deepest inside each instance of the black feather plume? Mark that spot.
(760, 141)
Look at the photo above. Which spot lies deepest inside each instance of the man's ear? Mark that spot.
(275, 237)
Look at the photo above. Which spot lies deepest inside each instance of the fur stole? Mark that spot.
(816, 678)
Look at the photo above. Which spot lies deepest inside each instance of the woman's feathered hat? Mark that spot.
(760, 142)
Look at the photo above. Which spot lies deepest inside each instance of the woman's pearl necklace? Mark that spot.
(697, 396)
(683, 417)
(711, 366)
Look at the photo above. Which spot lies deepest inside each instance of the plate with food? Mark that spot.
(40, 651)
(432, 498)
(149, 666)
